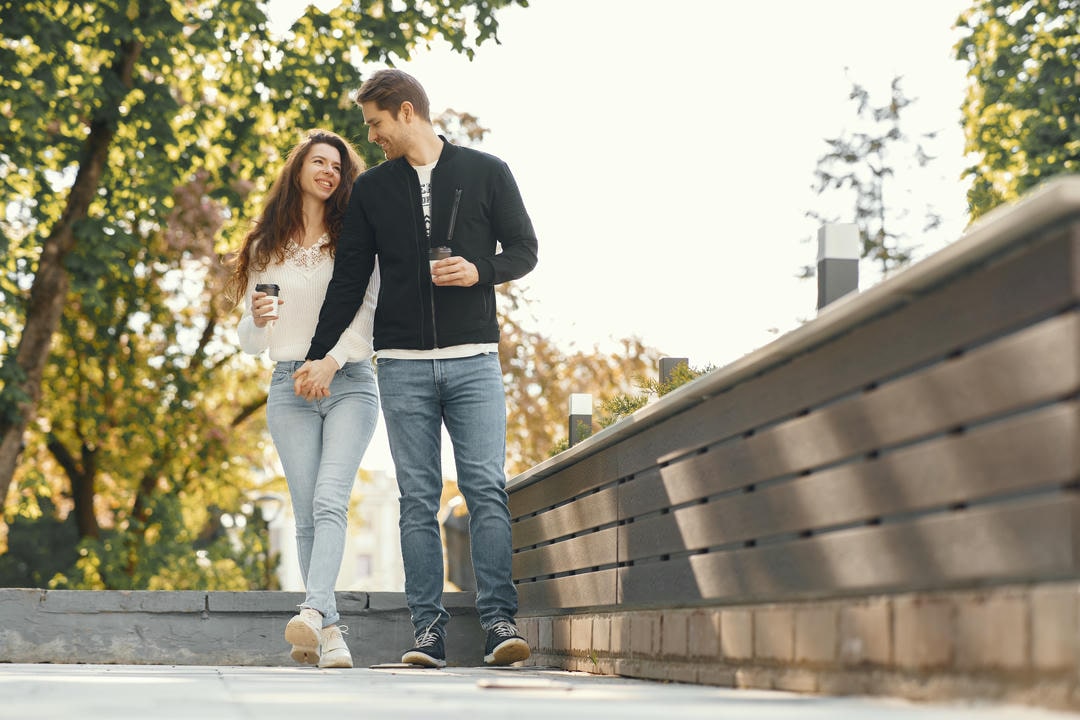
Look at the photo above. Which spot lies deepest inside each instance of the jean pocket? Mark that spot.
(358, 371)
(280, 376)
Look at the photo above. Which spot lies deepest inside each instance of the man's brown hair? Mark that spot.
(389, 88)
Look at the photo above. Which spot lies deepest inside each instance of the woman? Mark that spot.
(320, 442)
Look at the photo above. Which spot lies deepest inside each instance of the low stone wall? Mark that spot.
(208, 628)
(1013, 644)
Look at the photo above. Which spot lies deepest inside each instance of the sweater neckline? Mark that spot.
(307, 258)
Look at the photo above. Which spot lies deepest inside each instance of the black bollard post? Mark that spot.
(838, 261)
(580, 417)
(668, 365)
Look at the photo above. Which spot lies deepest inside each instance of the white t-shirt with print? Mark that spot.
(442, 353)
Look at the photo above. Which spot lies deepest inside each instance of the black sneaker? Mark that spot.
(429, 650)
(505, 645)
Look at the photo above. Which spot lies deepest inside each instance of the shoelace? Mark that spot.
(426, 638)
(504, 629)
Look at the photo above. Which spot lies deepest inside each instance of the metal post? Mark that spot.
(580, 417)
(668, 365)
(837, 261)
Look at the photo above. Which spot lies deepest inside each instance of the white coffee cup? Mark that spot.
(436, 254)
(273, 291)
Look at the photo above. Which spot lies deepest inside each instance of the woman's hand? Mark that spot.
(262, 308)
(313, 378)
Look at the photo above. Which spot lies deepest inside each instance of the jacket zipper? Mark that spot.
(449, 241)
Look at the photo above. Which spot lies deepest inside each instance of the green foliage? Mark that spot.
(864, 163)
(11, 393)
(46, 552)
(160, 556)
(1022, 109)
(619, 406)
(39, 548)
(148, 414)
(559, 446)
(680, 375)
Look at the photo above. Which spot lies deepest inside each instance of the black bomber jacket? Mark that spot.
(385, 220)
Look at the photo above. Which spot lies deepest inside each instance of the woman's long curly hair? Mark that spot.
(282, 217)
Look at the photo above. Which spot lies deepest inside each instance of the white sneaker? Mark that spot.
(304, 632)
(335, 653)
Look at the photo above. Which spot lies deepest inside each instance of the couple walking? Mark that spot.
(348, 251)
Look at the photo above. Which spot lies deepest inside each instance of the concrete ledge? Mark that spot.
(208, 628)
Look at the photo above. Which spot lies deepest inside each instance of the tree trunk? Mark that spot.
(49, 291)
(81, 475)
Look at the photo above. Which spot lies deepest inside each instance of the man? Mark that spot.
(436, 340)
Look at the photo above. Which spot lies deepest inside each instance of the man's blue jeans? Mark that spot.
(418, 397)
(320, 444)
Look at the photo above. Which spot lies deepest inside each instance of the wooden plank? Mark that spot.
(689, 479)
(967, 310)
(584, 552)
(1035, 365)
(1033, 452)
(1027, 541)
(1036, 451)
(577, 479)
(573, 591)
(582, 514)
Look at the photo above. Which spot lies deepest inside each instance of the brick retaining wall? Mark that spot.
(1011, 643)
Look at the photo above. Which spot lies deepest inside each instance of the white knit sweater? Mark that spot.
(303, 278)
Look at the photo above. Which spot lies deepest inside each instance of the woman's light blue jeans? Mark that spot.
(466, 394)
(320, 444)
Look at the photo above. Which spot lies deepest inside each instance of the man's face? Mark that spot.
(390, 133)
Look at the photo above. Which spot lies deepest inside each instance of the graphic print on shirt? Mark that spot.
(423, 173)
(425, 201)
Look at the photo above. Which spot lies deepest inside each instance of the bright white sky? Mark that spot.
(666, 151)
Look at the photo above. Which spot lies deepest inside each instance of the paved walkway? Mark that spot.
(167, 692)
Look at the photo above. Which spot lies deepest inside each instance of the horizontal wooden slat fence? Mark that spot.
(923, 436)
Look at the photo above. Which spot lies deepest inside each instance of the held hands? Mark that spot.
(454, 271)
(312, 380)
(262, 305)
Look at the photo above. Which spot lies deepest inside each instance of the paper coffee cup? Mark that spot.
(273, 291)
(436, 254)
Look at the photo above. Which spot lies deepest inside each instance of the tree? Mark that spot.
(126, 158)
(865, 163)
(140, 409)
(1022, 108)
(110, 107)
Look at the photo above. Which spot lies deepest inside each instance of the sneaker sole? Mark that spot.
(305, 655)
(305, 642)
(419, 658)
(344, 661)
(508, 652)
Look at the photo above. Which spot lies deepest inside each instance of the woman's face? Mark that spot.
(320, 173)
